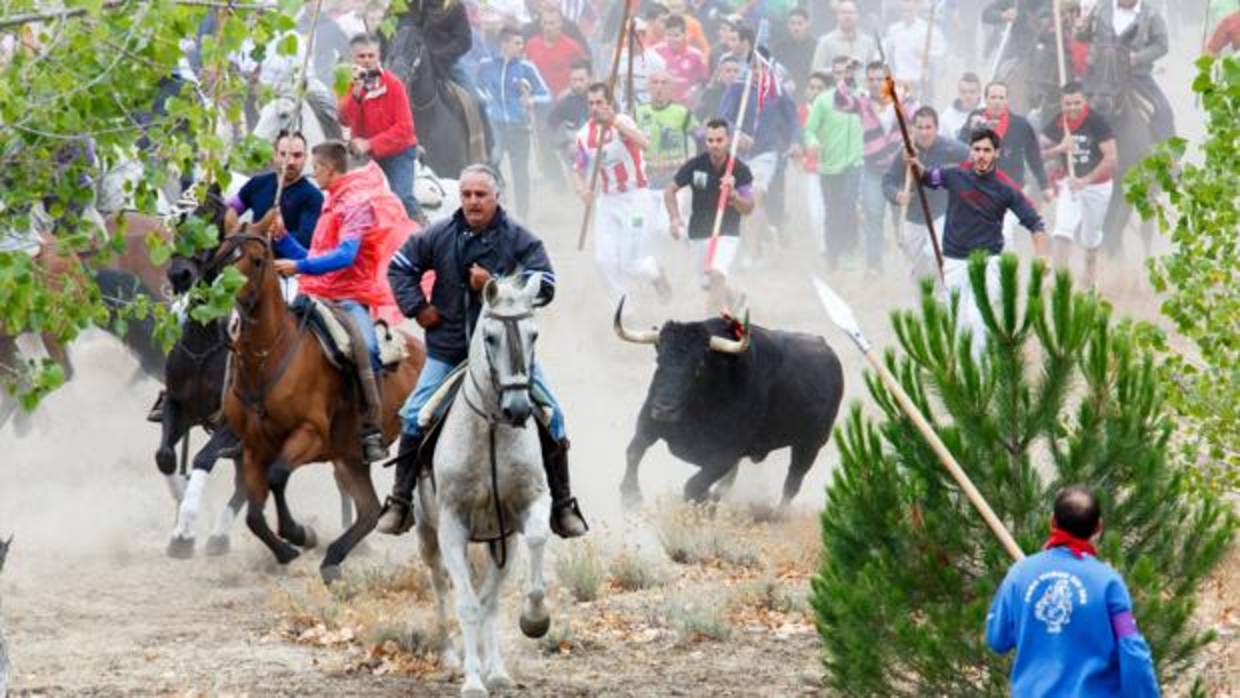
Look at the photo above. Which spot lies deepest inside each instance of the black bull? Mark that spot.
(715, 399)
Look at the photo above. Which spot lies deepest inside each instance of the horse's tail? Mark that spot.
(119, 289)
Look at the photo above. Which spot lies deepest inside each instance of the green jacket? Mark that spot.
(834, 134)
(670, 131)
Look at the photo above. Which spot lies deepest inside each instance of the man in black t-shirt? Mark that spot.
(1084, 192)
(705, 175)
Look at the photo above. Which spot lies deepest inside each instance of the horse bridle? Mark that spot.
(516, 355)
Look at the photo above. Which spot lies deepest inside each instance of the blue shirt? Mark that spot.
(1070, 621)
(976, 205)
(300, 204)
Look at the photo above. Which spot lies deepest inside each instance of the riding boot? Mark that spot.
(566, 518)
(373, 448)
(397, 515)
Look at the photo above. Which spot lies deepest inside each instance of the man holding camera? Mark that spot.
(376, 109)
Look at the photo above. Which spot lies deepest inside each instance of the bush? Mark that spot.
(1062, 395)
(633, 571)
(581, 571)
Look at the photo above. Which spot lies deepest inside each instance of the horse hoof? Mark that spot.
(499, 682)
(287, 555)
(630, 500)
(166, 460)
(474, 692)
(217, 546)
(310, 539)
(181, 548)
(535, 628)
(331, 574)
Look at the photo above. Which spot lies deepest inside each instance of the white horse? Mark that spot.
(488, 485)
(282, 114)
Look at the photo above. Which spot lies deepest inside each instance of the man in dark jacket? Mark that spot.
(465, 251)
(1020, 142)
(933, 151)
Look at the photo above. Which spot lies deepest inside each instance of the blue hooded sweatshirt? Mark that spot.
(1070, 621)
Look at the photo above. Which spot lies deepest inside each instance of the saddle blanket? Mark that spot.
(328, 327)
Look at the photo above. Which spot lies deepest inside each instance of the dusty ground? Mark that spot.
(93, 607)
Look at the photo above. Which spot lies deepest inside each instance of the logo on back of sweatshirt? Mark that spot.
(1063, 591)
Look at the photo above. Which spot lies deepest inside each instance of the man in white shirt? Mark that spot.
(846, 40)
(905, 45)
(968, 97)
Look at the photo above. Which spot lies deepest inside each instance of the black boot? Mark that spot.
(566, 518)
(397, 514)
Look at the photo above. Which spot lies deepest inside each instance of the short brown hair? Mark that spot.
(333, 153)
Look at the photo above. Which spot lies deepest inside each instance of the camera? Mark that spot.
(368, 78)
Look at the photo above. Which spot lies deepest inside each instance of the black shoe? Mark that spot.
(157, 410)
(566, 519)
(396, 516)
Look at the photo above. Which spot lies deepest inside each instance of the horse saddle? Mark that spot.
(432, 416)
(466, 105)
(327, 323)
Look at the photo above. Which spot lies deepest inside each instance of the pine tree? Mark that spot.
(1061, 394)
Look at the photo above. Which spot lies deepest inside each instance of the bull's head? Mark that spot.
(684, 350)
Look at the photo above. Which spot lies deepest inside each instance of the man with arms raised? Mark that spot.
(465, 251)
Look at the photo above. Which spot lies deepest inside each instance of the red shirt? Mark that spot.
(1227, 34)
(382, 117)
(554, 61)
(687, 68)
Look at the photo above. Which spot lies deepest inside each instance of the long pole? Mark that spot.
(843, 317)
(925, 56)
(1063, 80)
(889, 84)
(302, 86)
(630, 100)
(724, 190)
(598, 150)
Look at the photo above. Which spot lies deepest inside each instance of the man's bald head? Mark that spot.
(1077, 511)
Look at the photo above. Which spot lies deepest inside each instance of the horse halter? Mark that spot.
(516, 358)
(229, 252)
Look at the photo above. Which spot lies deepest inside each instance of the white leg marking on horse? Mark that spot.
(176, 486)
(453, 543)
(191, 504)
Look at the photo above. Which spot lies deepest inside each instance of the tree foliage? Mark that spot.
(1200, 278)
(77, 96)
(1061, 394)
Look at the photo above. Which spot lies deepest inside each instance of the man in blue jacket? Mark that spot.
(512, 86)
(479, 241)
(1069, 616)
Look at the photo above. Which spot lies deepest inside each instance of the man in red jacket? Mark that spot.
(376, 109)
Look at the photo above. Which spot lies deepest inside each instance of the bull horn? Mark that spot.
(732, 346)
(647, 337)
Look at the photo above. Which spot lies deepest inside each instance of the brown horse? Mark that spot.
(290, 407)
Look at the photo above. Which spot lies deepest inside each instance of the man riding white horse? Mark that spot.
(478, 243)
(342, 264)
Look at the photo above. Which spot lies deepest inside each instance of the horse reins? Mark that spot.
(517, 356)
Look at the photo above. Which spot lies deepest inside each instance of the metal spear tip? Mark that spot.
(840, 312)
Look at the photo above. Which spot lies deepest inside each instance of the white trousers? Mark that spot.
(1080, 215)
(920, 252)
(817, 211)
(969, 317)
(622, 240)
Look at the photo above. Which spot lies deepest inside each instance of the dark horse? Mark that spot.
(290, 407)
(441, 110)
(1112, 92)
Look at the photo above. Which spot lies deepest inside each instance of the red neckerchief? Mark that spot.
(1001, 124)
(1074, 125)
(1061, 538)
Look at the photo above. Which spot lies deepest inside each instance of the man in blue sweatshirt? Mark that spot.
(1069, 616)
(979, 195)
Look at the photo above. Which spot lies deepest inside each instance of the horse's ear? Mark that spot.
(533, 284)
(490, 292)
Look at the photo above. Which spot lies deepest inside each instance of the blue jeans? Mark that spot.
(361, 317)
(401, 169)
(874, 205)
(435, 372)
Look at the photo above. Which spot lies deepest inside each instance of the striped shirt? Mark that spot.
(622, 169)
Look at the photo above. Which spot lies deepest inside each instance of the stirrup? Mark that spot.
(566, 508)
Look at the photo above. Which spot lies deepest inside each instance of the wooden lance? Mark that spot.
(598, 150)
(889, 84)
(1063, 80)
(842, 315)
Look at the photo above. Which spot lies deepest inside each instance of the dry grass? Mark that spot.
(695, 535)
(631, 570)
(697, 617)
(581, 570)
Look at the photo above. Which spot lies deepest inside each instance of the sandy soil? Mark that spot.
(93, 607)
